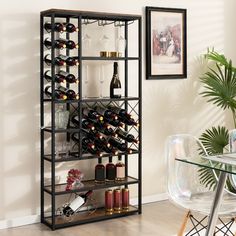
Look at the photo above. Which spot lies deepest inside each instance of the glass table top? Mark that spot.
(221, 162)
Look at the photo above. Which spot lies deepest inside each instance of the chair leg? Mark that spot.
(183, 226)
(235, 222)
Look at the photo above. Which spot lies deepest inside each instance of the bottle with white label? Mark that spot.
(115, 85)
(75, 205)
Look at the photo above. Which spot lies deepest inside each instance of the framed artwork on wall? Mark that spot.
(166, 46)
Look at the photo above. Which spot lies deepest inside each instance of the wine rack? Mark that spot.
(132, 104)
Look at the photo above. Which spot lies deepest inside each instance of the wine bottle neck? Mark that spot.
(115, 68)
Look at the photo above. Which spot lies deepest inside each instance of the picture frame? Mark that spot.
(166, 43)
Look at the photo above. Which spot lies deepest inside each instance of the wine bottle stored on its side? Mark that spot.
(58, 77)
(126, 136)
(86, 124)
(104, 128)
(70, 28)
(71, 94)
(92, 114)
(70, 78)
(70, 61)
(78, 202)
(57, 93)
(58, 27)
(58, 61)
(122, 113)
(107, 113)
(118, 144)
(69, 44)
(87, 144)
(56, 44)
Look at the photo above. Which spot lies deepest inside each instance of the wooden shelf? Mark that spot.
(90, 185)
(85, 156)
(86, 217)
(90, 15)
(93, 99)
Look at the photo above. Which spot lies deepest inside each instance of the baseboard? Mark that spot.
(150, 199)
(20, 221)
(32, 219)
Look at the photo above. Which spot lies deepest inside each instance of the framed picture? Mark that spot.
(166, 46)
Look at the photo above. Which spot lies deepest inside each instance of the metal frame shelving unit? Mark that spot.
(53, 190)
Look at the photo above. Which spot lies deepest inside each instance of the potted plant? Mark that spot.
(219, 84)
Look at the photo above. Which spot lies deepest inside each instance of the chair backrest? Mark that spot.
(183, 178)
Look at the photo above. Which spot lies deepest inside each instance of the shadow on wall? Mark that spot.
(19, 121)
(183, 111)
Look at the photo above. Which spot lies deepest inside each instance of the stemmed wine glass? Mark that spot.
(101, 79)
(67, 148)
(104, 40)
(86, 40)
(120, 41)
(86, 69)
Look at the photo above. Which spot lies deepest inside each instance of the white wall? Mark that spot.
(169, 106)
(230, 30)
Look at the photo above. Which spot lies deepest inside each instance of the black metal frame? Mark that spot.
(52, 190)
(149, 75)
(198, 226)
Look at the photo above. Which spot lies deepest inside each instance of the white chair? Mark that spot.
(185, 188)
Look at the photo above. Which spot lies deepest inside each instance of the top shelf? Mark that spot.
(90, 15)
(92, 58)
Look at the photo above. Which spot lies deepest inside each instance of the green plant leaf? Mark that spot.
(220, 88)
(214, 140)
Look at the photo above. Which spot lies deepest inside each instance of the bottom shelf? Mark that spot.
(86, 217)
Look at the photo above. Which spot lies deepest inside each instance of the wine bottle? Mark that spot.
(56, 61)
(130, 121)
(71, 95)
(58, 78)
(58, 94)
(92, 114)
(118, 144)
(57, 44)
(109, 149)
(70, 78)
(115, 85)
(58, 27)
(106, 113)
(104, 128)
(76, 203)
(86, 124)
(117, 123)
(122, 113)
(70, 28)
(87, 144)
(126, 136)
(110, 170)
(102, 144)
(70, 61)
(93, 135)
(100, 174)
(120, 170)
(69, 43)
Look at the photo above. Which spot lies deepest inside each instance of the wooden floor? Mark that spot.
(159, 219)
